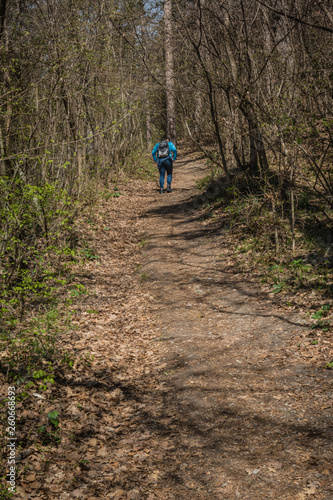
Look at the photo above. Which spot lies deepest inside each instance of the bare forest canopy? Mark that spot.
(87, 87)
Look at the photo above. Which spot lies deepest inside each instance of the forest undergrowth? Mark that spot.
(49, 247)
(292, 260)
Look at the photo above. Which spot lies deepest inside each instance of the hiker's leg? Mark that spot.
(161, 168)
(168, 168)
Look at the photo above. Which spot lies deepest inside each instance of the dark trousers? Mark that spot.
(165, 165)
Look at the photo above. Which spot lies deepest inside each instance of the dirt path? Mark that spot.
(247, 418)
(187, 382)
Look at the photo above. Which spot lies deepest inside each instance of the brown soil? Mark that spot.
(251, 418)
(197, 389)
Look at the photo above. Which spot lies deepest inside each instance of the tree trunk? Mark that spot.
(198, 100)
(169, 71)
(257, 148)
(148, 117)
(5, 121)
(3, 5)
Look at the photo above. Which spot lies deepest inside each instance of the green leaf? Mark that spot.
(53, 417)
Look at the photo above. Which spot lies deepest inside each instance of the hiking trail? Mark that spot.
(188, 383)
(250, 419)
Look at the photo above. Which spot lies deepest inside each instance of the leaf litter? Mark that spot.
(177, 391)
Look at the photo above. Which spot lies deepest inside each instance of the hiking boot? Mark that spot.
(169, 189)
(161, 191)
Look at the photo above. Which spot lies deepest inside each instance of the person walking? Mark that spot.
(164, 154)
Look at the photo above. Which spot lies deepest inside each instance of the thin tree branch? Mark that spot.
(296, 19)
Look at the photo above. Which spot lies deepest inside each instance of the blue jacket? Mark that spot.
(172, 149)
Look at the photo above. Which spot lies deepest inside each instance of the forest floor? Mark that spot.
(190, 383)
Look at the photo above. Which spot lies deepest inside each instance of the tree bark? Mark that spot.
(257, 148)
(6, 166)
(148, 116)
(3, 5)
(169, 71)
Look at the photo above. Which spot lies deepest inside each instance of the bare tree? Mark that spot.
(169, 71)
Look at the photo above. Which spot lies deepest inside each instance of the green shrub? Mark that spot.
(36, 228)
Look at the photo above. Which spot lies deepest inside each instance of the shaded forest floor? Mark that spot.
(188, 380)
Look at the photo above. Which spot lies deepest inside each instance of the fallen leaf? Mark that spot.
(78, 493)
(154, 477)
(252, 471)
(311, 489)
(38, 395)
(134, 495)
(92, 442)
(103, 452)
(117, 494)
(35, 485)
(274, 466)
(30, 478)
